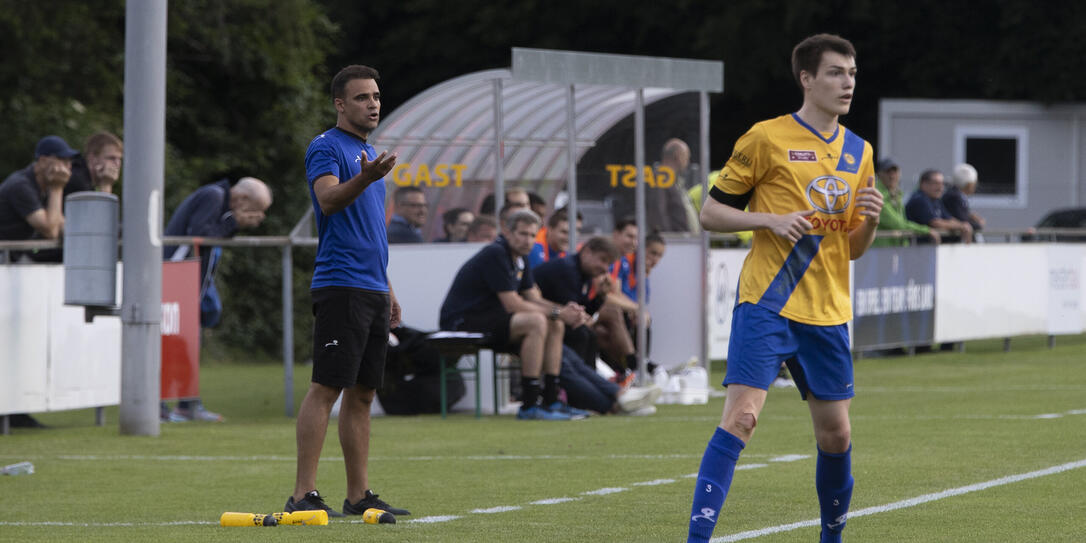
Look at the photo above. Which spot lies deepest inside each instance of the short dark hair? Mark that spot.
(622, 223)
(807, 54)
(561, 215)
(450, 217)
(601, 245)
(535, 199)
(654, 237)
(929, 173)
(354, 71)
(401, 192)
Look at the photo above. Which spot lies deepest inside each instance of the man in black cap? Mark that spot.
(31, 202)
(32, 199)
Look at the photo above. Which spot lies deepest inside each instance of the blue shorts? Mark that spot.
(818, 356)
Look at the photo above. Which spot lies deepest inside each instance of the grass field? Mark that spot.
(937, 441)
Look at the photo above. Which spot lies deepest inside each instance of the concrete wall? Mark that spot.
(921, 134)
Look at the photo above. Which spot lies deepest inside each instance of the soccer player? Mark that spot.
(809, 183)
(353, 303)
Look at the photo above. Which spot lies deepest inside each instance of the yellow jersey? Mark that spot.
(787, 166)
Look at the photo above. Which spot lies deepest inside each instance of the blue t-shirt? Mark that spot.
(561, 281)
(352, 248)
(476, 286)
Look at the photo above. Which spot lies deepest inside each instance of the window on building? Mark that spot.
(1000, 156)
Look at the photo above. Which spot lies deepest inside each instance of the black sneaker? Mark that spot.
(311, 502)
(371, 501)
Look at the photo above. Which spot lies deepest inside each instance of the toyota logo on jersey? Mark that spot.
(829, 194)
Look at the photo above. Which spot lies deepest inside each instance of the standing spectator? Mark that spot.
(32, 199)
(353, 303)
(408, 216)
(99, 167)
(215, 210)
(483, 229)
(494, 292)
(456, 222)
(31, 205)
(926, 207)
(888, 181)
(963, 183)
(810, 217)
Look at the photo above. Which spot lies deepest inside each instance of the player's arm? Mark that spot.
(334, 196)
(868, 205)
(724, 212)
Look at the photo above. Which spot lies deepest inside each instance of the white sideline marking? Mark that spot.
(790, 458)
(498, 509)
(604, 491)
(554, 501)
(655, 482)
(433, 519)
(271, 458)
(911, 502)
(742, 467)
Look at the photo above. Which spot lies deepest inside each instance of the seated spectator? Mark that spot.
(514, 195)
(494, 292)
(32, 199)
(483, 229)
(408, 215)
(925, 206)
(963, 183)
(99, 167)
(892, 216)
(537, 204)
(455, 223)
(569, 279)
(216, 210)
(552, 241)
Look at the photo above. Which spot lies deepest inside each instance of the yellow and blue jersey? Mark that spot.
(785, 166)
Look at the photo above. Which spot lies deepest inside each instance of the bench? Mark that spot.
(451, 347)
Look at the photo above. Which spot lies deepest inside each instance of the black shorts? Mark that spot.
(495, 322)
(350, 337)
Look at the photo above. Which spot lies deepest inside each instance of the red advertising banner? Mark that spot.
(180, 329)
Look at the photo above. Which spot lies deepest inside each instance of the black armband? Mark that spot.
(738, 201)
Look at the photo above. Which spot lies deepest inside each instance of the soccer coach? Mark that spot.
(353, 303)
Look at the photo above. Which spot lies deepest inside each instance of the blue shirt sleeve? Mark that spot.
(918, 210)
(321, 160)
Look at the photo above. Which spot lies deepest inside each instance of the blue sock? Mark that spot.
(833, 482)
(714, 479)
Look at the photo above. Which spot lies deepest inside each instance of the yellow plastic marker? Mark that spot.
(248, 519)
(317, 517)
(378, 516)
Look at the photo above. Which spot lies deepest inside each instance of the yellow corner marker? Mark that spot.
(247, 519)
(317, 517)
(378, 516)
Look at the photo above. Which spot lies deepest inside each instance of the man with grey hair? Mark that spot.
(963, 183)
(215, 210)
(494, 292)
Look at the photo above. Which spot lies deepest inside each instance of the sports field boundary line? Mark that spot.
(910, 502)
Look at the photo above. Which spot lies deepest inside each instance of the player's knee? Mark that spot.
(742, 425)
(836, 439)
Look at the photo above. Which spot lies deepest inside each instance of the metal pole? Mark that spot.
(703, 318)
(145, 132)
(499, 151)
(571, 152)
(288, 330)
(639, 159)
